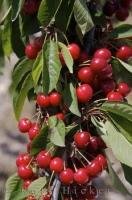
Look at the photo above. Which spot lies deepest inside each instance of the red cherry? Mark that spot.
(101, 143)
(31, 51)
(81, 177)
(98, 64)
(94, 168)
(102, 161)
(46, 197)
(67, 176)
(31, 197)
(114, 96)
(124, 89)
(56, 165)
(82, 139)
(42, 100)
(23, 159)
(84, 93)
(25, 172)
(108, 85)
(93, 144)
(31, 7)
(122, 14)
(124, 53)
(43, 159)
(24, 125)
(34, 131)
(55, 99)
(60, 116)
(74, 50)
(83, 56)
(85, 74)
(103, 53)
(26, 184)
(106, 73)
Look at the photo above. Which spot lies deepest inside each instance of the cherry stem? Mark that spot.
(50, 149)
(74, 166)
(50, 180)
(30, 162)
(83, 156)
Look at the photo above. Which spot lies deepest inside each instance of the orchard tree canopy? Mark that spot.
(75, 64)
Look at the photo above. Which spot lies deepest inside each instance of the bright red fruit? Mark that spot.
(83, 56)
(26, 184)
(122, 14)
(84, 93)
(43, 159)
(25, 172)
(31, 197)
(85, 74)
(103, 53)
(81, 177)
(24, 125)
(124, 89)
(34, 131)
(23, 159)
(74, 50)
(55, 99)
(60, 116)
(30, 7)
(102, 161)
(98, 64)
(82, 139)
(114, 96)
(43, 100)
(94, 168)
(67, 176)
(31, 51)
(56, 165)
(124, 52)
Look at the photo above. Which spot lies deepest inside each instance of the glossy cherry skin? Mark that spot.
(74, 50)
(82, 139)
(60, 116)
(24, 125)
(31, 51)
(67, 176)
(98, 64)
(34, 131)
(56, 165)
(81, 177)
(85, 75)
(43, 159)
(25, 172)
(31, 197)
(84, 93)
(102, 161)
(124, 89)
(31, 7)
(43, 100)
(103, 53)
(122, 14)
(124, 52)
(23, 159)
(55, 99)
(114, 96)
(26, 184)
(94, 168)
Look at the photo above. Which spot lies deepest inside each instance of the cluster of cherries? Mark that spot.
(119, 8)
(30, 7)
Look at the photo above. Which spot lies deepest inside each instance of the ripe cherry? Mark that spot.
(34, 131)
(94, 168)
(122, 14)
(85, 74)
(60, 116)
(83, 56)
(43, 159)
(31, 51)
(124, 52)
(84, 93)
(67, 176)
(31, 197)
(102, 161)
(24, 125)
(26, 184)
(124, 89)
(25, 172)
(43, 100)
(93, 144)
(55, 99)
(103, 53)
(31, 7)
(106, 73)
(23, 159)
(107, 86)
(56, 165)
(82, 139)
(74, 50)
(114, 96)
(98, 64)
(81, 177)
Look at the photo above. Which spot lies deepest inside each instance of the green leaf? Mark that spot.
(122, 109)
(127, 173)
(122, 31)
(51, 66)
(57, 131)
(40, 142)
(67, 56)
(126, 65)
(19, 97)
(37, 68)
(82, 16)
(16, 8)
(114, 140)
(48, 10)
(70, 99)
